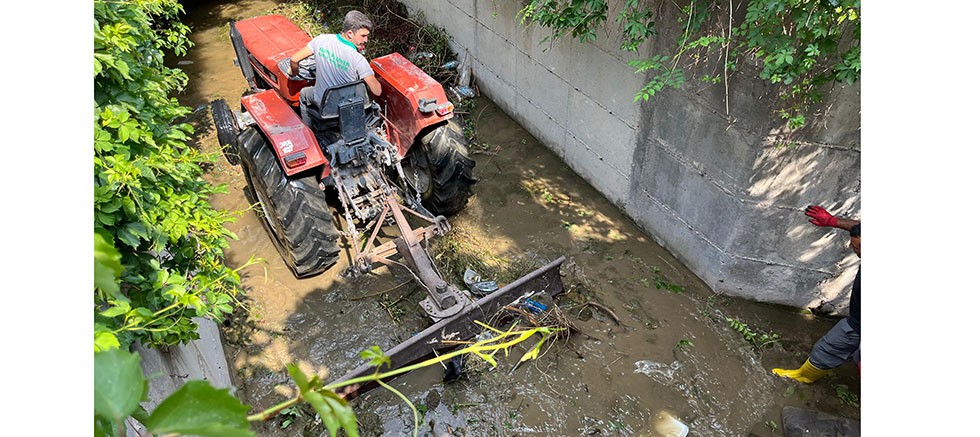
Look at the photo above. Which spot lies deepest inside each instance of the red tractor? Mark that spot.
(370, 160)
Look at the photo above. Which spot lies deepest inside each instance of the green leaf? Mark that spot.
(299, 377)
(137, 230)
(108, 266)
(375, 356)
(111, 206)
(123, 68)
(197, 408)
(116, 309)
(344, 413)
(119, 384)
(323, 409)
(105, 340)
(103, 427)
(129, 206)
(127, 237)
(140, 414)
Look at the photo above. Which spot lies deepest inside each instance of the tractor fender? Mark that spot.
(293, 141)
(412, 99)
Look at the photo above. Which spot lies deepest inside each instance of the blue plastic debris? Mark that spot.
(534, 306)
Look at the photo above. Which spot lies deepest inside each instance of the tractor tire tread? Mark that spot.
(303, 229)
(227, 130)
(450, 167)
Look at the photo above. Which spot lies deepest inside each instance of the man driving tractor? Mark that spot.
(339, 61)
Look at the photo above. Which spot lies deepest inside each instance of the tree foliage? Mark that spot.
(159, 257)
(800, 45)
(159, 245)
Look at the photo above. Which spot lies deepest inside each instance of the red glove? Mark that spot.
(820, 216)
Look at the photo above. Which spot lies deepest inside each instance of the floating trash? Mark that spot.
(534, 306)
(668, 425)
(484, 288)
(462, 92)
(455, 368)
(662, 372)
(421, 55)
(470, 277)
(476, 285)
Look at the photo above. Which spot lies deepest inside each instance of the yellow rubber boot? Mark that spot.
(807, 373)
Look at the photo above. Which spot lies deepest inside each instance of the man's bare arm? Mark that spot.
(300, 54)
(846, 224)
(373, 85)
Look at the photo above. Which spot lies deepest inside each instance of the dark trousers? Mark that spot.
(839, 345)
(307, 103)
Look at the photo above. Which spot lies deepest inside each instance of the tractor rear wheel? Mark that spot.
(227, 128)
(294, 210)
(447, 182)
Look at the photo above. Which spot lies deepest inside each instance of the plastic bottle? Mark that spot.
(463, 91)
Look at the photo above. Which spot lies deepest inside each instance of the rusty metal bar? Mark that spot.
(382, 252)
(415, 213)
(377, 228)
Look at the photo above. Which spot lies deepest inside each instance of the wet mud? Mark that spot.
(651, 341)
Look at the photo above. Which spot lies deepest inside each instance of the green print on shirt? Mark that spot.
(333, 59)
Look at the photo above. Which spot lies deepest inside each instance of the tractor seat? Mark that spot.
(346, 107)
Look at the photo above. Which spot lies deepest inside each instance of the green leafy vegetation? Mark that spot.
(289, 416)
(846, 396)
(797, 45)
(159, 244)
(120, 386)
(662, 283)
(756, 339)
(772, 426)
(683, 344)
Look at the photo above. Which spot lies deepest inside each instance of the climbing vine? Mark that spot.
(798, 45)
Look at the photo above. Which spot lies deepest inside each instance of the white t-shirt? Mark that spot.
(337, 62)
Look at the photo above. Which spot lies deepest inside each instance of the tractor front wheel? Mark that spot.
(227, 128)
(443, 157)
(294, 210)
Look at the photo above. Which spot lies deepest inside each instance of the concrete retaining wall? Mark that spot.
(201, 359)
(699, 168)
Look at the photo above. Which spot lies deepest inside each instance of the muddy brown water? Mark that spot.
(619, 374)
